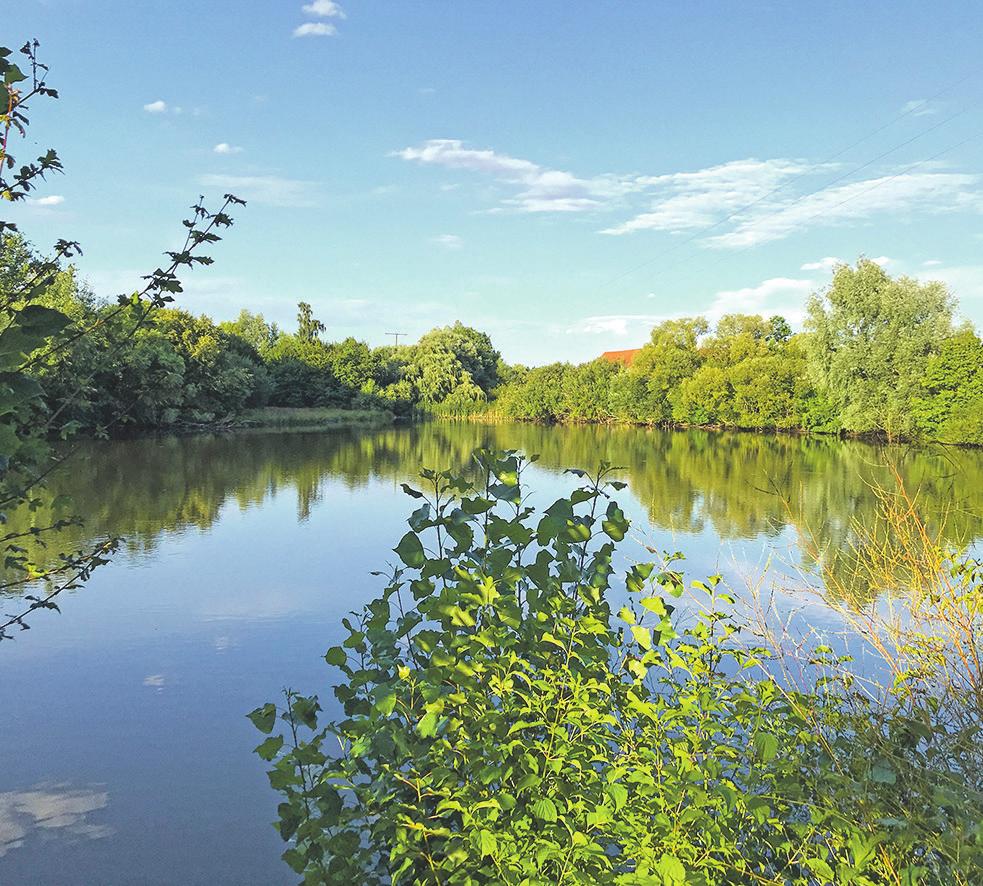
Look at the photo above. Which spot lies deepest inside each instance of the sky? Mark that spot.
(562, 175)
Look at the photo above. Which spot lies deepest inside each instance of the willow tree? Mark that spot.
(869, 343)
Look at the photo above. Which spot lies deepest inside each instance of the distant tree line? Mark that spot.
(878, 356)
(175, 368)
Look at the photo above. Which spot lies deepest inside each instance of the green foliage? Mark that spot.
(878, 357)
(48, 326)
(950, 406)
(454, 363)
(870, 340)
(503, 724)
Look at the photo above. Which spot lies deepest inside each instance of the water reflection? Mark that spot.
(737, 486)
(50, 811)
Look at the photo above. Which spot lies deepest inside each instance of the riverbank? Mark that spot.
(492, 417)
(314, 417)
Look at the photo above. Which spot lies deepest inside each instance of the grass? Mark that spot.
(314, 416)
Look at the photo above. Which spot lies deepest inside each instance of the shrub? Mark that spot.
(501, 724)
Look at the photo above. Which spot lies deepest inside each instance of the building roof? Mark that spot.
(624, 357)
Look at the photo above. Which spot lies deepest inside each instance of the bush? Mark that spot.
(502, 725)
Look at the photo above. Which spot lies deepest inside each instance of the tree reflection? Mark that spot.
(740, 486)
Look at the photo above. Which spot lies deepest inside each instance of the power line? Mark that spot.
(396, 335)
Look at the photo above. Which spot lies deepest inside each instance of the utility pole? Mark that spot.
(396, 335)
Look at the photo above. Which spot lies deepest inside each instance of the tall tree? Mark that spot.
(870, 337)
(309, 328)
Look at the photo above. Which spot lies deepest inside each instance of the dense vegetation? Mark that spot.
(173, 368)
(879, 356)
(505, 722)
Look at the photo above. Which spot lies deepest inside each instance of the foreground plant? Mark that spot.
(502, 724)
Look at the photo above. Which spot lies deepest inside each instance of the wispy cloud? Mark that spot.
(315, 29)
(49, 201)
(897, 194)
(540, 189)
(778, 295)
(919, 107)
(824, 264)
(449, 241)
(324, 8)
(750, 201)
(619, 325)
(931, 263)
(268, 190)
(157, 107)
(226, 148)
(691, 200)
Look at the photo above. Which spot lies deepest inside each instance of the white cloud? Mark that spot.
(966, 284)
(50, 200)
(617, 324)
(450, 241)
(883, 261)
(931, 263)
(324, 8)
(692, 200)
(824, 264)
(895, 194)
(155, 681)
(778, 295)
(268, 190)
(157, 107)
(226, 148)
(920, 107)
(541, 189)
(315, 29)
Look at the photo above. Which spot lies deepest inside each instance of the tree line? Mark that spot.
(174, 368)
(878, 356)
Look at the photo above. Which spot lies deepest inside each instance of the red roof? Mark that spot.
(625, 357)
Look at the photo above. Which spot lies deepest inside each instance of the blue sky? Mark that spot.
(560, 174)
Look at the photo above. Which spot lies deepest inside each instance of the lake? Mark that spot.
(126, 753)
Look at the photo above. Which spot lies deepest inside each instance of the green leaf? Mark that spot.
(882, 773)
(386, 705)
(671, 870)
(616, 524)
(643, 636)
(268, 749)
(544, 809)
(336, 656)
(766, 745)
(410, 550)
(427, 727)
(487, 844)
(263, 718)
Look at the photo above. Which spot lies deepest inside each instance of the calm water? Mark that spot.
(126, 757)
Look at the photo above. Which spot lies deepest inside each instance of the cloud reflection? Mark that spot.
(50, 810)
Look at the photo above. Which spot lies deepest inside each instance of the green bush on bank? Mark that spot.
(503, 724)
(879, 356)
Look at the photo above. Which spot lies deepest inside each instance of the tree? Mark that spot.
(950, 406)
(671, 355)
(32, 335)
(309, 329)
(870, 338)
(253, 329)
